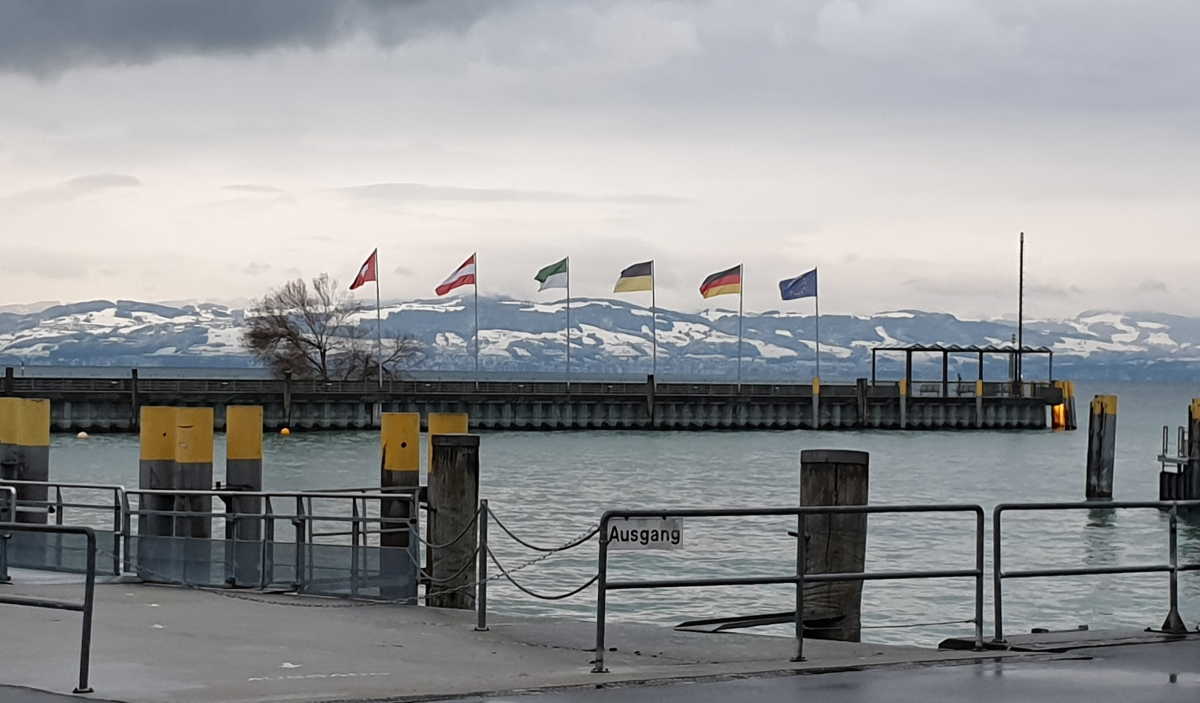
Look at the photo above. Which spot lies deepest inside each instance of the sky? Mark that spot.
(212, 150)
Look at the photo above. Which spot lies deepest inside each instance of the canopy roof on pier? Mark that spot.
(946, 350)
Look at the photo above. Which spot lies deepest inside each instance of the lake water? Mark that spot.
(550, 487)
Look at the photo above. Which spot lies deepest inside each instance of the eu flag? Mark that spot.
(802, 286)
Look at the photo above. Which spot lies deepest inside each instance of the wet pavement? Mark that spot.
(154, 643)
(1162, 673)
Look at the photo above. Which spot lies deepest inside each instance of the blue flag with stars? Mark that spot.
(802, 286)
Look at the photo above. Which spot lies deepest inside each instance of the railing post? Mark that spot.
(1174, 623)
(85, 645)
(601, 590)
(298, 522)
(801, 569)
(481, 588)
(979, 548)
(267, 573)
(997, 592)
(4, 537)
(354, 529)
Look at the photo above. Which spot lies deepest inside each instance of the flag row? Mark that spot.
(633, 279)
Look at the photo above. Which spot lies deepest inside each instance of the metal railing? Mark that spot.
(798, 577)
(1173, 622)
(349, 525)
(85, 645)
(59, 507)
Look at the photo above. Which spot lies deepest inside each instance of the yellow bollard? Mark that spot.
(29, 452)
(194, 469)
(244, 472)
(400, 467)
(443, 423)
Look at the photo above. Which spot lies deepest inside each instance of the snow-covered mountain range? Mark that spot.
(614, 337)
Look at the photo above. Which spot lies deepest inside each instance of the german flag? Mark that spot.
(724, 282)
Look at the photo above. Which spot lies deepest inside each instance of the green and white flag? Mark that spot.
(553, 276)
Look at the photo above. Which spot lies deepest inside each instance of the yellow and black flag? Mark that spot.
(636, 278)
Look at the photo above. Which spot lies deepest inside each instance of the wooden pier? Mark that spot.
(113, 404)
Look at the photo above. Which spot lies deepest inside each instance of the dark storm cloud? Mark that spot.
(414, 192)
(43, 37)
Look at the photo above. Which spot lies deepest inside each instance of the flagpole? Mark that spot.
(378, 321)
(741, 298)
(568, 321)
(475, 256)
(654, 319)
(1020, 317)
(817, 310)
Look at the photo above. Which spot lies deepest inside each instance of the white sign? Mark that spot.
(640, 533)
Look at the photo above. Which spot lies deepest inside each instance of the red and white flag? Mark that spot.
(366, 274)
(464, 276)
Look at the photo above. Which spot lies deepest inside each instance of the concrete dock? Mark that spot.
(158, 643)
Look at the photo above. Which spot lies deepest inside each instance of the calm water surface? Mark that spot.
(550, 487)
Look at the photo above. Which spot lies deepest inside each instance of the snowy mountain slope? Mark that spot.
(614, 337)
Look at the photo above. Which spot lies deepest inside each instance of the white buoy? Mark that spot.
(81, 435)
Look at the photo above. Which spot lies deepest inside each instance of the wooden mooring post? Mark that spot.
(835, 543)
(1102, 442)
(453, 506)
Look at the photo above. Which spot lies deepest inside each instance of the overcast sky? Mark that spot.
(213, 149)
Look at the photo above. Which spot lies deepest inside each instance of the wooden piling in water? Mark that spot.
(835, 543)
(453, 505)
(1102, 441)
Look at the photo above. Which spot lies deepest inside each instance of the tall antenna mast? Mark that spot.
(1021, 312)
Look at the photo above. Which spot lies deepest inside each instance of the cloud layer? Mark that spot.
(900, 145)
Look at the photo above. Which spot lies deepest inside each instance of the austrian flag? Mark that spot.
(464, 276)
(366, 274)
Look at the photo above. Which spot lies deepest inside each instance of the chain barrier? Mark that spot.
(592, 532)
(469, 564)
(465, 531)
(541, 596)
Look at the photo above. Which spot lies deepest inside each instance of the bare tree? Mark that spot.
(317, 332)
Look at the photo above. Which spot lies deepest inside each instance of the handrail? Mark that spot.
(1173, 622)
(217, 493)
(799, 577)
(10, 504)
(85, 645)
(119, 507)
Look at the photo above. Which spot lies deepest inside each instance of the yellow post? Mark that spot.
(244, 472)
(33, 423)
(400, 464)
(30, 454)
(400, 438)
(979, 403)
(194, 469)
(9, 410)
(1104, 405)
(816, 403)
(156, 471)
(1102, 441)
(444, 423)
(244, 432)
